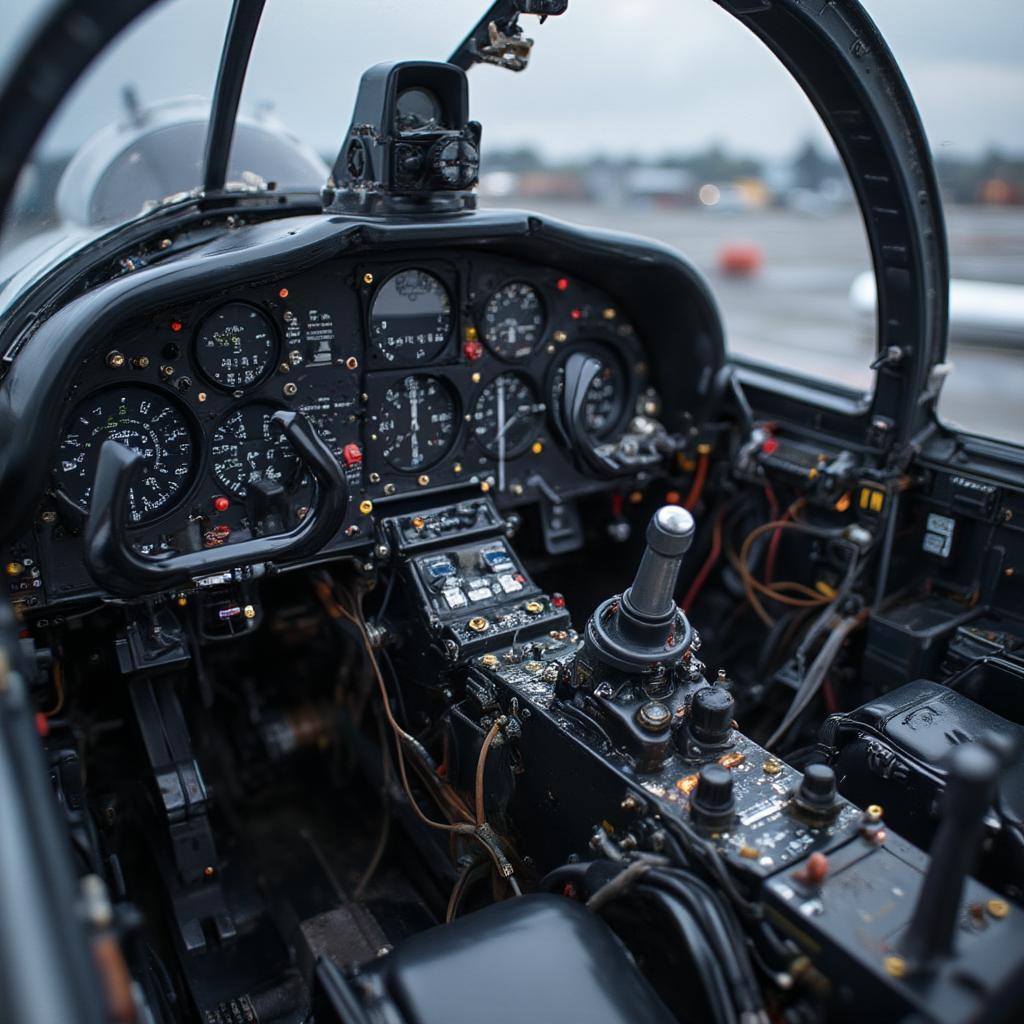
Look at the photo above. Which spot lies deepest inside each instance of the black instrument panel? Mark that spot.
(422, 372)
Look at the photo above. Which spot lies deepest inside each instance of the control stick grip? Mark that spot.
(669, 536)
(970, 788)
(116, 565)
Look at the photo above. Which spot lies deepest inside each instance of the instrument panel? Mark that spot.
(420, 373)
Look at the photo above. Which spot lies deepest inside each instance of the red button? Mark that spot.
(557, 601)
(352, 455)
(473, 350)
(769, 445)
(562, 284)
(221, 504)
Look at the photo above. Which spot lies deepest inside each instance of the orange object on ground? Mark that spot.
(739, 259)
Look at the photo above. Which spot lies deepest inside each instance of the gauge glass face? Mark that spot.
(247, 447)
(506, 416)
(417, 109)
(411, 317)
(146, 422)
(605, 399)
(416, 422)
(513, 320)
(235, 345)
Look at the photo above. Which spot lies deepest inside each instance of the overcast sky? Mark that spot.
(614, 76)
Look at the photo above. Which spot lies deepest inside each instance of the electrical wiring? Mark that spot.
(720, 927)
(771, 949)
(815, 675)
(709, 969)
(698, 850)
(699, 477)
(385, 828)
(58, 687)
(481, 765)
(781, 592)
(405, 739)
(773, 545)
(473, 872)
(709, 563)
(716, 949)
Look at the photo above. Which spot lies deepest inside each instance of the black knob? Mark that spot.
(817, 791)
(711, 715)
(455, 163)
(712, 803)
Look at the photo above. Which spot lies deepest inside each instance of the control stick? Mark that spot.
(669, 536)
(970, 787)
(645, 626)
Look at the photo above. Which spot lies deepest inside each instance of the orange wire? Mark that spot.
(701, 474)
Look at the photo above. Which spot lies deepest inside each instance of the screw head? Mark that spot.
(998, 908)
(654, 716)
(895, 966)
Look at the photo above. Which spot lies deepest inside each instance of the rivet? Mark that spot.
(895, 966)
(998, 908)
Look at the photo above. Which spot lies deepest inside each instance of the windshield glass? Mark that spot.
(131, 134)
(656, 117)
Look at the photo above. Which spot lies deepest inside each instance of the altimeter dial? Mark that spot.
(513, 320)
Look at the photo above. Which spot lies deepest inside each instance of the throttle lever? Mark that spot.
(116, 566)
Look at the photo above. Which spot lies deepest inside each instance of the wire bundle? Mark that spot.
(704, 923)
(463, 824)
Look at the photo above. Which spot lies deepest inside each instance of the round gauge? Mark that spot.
(247, 447)
(506, 416)
(411, 317)
(606, 397)
(513, 320)
(416, 422)
(235, 345)
(148, 423)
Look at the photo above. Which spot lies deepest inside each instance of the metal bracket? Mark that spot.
(497, 37)
(507, 50)
(192, 875)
